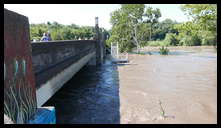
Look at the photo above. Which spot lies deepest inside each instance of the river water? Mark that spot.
(177, 88)
(91, 96)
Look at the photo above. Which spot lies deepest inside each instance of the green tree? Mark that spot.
(171, 39)
(143, 33)
(62, 32)
(189, 33)
(152, 16)
(126, 22)
(162, 28)
(203, 14)
(204, 22)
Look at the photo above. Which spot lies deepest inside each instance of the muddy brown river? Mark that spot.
(151, 89)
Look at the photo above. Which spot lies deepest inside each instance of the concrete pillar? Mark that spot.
(99, 44)
(103, 44)
(19, 83)
(20, 103)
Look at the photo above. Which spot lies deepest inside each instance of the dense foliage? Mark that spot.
(136, 26)
(132, 25)
(63, 32)
(202, 30)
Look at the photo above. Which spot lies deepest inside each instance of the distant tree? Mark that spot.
(62, 32)
(203, 14)
(203, 27)
(171, 39)
(162, 28)
(152, 16)
(126, 22)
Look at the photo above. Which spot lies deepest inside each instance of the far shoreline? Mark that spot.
(152, 48)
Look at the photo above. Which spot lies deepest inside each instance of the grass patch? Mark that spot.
(157, 43)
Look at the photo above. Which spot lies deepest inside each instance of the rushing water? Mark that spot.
(186, 85)
(91, 96)
(184, 81)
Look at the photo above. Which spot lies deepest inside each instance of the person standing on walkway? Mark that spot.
(49, 36)
(44, 37)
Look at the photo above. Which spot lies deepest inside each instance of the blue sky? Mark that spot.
(84, 14)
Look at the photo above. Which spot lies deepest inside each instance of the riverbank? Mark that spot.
(154, 48)
(185, 85)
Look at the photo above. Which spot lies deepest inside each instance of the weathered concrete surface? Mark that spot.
(52, 85)
(50, 58)
(19, 83)
(55, 62)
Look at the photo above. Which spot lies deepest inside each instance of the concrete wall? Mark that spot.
(50, 58)
(19, 80)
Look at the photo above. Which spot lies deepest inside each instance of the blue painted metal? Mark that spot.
(44, 115)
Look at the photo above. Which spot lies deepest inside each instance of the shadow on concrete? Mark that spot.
(90, 97)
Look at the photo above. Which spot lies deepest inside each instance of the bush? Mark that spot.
(154, 43)
(164, 51)
(143, 43)
(196, 40)
(208, 38)
(126, 47)
(171, 39)
(190, 40)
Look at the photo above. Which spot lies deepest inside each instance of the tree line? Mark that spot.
(63, 32)
(135, 25)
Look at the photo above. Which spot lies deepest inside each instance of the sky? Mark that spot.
(84, 14)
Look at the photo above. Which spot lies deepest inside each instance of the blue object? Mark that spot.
(44, 115)
(45, 38)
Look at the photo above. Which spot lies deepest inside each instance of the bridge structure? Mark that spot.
(35, 71)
